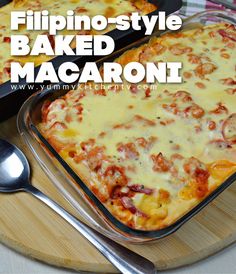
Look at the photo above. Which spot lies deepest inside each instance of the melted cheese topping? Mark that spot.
(108, 8)
(150, 155)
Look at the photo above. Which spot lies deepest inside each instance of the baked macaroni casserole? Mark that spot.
(151, 155)
(108, 8)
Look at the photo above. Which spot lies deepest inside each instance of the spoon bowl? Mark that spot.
(14, 177)
(14, 168)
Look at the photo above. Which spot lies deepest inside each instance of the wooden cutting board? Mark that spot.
(31, 228)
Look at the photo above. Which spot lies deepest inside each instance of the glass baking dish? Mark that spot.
(72, 187)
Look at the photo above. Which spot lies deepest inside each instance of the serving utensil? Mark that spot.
(15, 177)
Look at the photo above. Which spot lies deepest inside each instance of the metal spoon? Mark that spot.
(14, 177)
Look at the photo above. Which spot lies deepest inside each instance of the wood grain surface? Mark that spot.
(31, 228)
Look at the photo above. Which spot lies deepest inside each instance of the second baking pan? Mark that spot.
(12, 99)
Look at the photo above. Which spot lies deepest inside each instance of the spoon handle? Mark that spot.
(122, 258)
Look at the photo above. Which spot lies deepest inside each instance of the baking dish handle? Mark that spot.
(213, 13)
